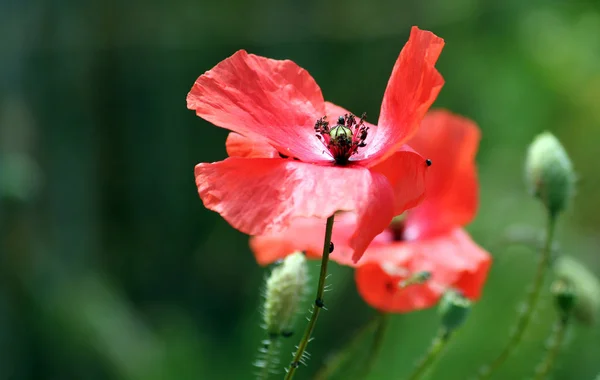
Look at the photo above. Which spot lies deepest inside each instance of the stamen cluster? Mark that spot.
(343, 139)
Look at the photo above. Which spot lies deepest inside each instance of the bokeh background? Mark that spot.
(110, 267)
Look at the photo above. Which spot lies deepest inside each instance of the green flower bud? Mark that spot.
(564, 296)
(585, 285)
(341, 134)
(453, 310)
(549, 173)
(285, 289)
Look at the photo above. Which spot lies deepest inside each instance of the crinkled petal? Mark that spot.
(256, 147)
(453, 259)
(451, 142)
(261, 196)
(307, 234)
(252, 95)
(406, 170)
(412, 88)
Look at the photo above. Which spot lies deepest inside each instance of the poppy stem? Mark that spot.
(298, 357)
(553, 347)
(530, 304)
(436, 348)
(382, 323)
(333, 364)
(267, 359)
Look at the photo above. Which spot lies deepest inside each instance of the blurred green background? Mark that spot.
(110, 267)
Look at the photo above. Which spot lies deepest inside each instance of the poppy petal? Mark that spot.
(406, 171)
(454, 260)
(264, 195)
(451, 142)
(412, 88)
(307, 235)
(252, 95)
(255, 147)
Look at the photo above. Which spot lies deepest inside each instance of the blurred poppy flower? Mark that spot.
(293, 155)
(426, 247)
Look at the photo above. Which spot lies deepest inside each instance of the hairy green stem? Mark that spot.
(318, 303)
(436, 348)
(529, 306)
(554, 344)
(333, 364)
(268, 358)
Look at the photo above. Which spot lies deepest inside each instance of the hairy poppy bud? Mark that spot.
(564, 296)
(549, 172)
(284, 291)
(585, 286)
(453, 310)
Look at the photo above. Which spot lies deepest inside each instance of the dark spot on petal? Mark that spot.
(428, 162)
(397, 230)
(391, 287)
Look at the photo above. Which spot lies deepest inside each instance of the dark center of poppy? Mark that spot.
(397, 227)
(343, 139)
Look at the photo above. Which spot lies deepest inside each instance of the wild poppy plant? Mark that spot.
(292, 155)
(423, 252)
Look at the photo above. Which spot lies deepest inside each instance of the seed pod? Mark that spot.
(453, 310)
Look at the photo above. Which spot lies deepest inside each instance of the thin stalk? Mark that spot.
(553, 348)
(529, 306)
(376, 345)
(268, 359)
(436, 348)
(318, 303)
(342, 355)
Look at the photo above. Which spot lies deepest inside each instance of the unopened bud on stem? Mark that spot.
(564, 296)
(285, 289)
(549, 172)
(585, 286)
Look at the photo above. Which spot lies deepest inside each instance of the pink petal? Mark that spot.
(454, 260)
(307, 235)
(406, 170)
(451, 142)
(412, 88)
(260, 195)
(253, 95)
(241, 146)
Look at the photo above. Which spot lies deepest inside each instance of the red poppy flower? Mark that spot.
(293, 155)
(429, 238)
